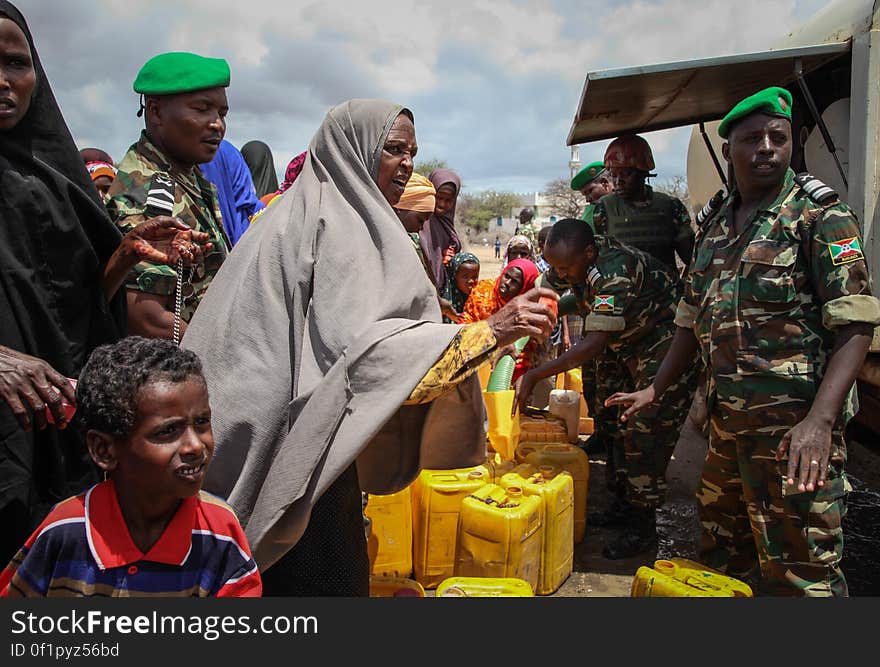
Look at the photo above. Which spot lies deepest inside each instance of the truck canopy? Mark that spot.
(656, 97)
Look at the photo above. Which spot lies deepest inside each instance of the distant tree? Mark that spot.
(676, 186)
(425, 167)
(478, 210)
(563, 201)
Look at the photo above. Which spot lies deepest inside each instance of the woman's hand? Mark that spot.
(164, 240)
(636, 401)
(524, 316)
(449, 311)
(448, 254)
(29, 384)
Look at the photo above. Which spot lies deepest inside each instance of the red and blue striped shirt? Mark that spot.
(83, 548)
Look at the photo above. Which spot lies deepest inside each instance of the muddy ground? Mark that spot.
(595, 576)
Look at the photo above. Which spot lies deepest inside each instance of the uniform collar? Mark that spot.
(772, 209)
(110, 542)
(776, 204)
(150, 151)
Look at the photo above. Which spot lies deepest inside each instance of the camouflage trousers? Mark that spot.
(649, 437)
(603, 376)
(782, 544)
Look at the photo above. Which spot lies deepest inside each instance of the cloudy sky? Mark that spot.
(493, 84)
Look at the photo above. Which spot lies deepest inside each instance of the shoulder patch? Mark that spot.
(594, 276)
(603, 303)
(845, 251)
(815, 189)
(712, 206)
(160, 195)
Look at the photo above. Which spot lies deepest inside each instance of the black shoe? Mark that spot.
(619, 514)
(628, 545)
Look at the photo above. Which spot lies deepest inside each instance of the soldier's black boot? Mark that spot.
(618, 514)
(639, 536)
(620, 511)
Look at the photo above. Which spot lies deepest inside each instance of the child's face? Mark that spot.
(467, 276)
(171, 443)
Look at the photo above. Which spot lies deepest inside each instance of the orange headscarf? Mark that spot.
(484, 300)
(419, 195)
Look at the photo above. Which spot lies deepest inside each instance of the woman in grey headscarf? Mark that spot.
(328, 368)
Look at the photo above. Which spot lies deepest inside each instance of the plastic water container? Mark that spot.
(572, 380)
(504, 430)
(496, 467)
(499, 535)
(573, 460)
(483, 373)
(436, 503)
(565, 403)
(555, 488)
(390, 545)
(484, 587)
(680, 577)
(395, 587)
(542, 428)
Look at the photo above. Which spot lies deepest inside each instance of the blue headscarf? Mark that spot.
(235, 187)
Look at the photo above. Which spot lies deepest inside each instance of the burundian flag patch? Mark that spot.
(603, 303)
(848, 250)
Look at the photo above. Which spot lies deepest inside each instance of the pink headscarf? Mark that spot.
(294, 167)
(530, 275)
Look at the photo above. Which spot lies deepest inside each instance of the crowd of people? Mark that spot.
(202, 370)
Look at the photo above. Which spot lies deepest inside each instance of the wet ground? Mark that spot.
(595, 576)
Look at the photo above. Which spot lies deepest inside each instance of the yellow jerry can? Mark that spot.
(504, 430)
(496, 467)
(436, 503)
(683, 578)
(555, 487)
(395, 587)
(574, 461)
(542, 428)
(484, 587)
(390, 545)
(499, 535)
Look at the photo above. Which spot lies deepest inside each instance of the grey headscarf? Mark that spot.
(314, 332)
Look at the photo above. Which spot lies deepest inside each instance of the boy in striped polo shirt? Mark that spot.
(148, 529)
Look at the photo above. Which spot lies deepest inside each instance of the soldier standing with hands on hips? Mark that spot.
(778, 300)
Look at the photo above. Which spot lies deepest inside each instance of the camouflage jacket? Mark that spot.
(195, 203)
(656, 226)
(530, 231)
(628, 293)
(764, 305)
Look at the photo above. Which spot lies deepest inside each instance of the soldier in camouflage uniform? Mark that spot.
(601, 375)
(185, 106)
(528, 227)
(631, 301)
(659, 225)
(778, 300)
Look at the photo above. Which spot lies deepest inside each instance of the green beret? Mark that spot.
(180, 72)
(587, 174)
(773, 101)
